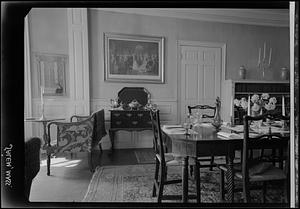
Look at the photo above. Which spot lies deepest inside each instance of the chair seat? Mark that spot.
(264, 172)
(176, 160)
(236, 167)
(256, 166)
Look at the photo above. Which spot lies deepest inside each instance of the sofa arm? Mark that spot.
(31, 162)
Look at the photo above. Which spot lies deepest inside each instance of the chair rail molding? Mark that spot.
(78, 61)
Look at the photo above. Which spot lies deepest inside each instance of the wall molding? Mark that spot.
(263, 17)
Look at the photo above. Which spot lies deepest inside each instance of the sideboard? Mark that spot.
(131, 113)
(128, 120)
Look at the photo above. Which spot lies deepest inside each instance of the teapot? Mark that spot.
(134, 104)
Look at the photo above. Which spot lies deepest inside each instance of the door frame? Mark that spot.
(200, 44)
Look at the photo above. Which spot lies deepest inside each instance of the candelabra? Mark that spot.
(263, 64)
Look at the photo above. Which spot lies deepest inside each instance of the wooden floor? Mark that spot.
(70, 177)
(117, 157)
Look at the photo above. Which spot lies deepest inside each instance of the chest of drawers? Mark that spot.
(130, 119)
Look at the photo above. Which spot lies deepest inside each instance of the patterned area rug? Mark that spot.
(145, 157)
(133, 183)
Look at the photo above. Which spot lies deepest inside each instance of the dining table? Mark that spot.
(204, 140)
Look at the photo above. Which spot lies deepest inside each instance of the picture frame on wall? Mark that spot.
(133, 58)
(51, 72)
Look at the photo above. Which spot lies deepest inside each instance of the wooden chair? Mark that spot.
(213, 109)
(260, 169)
(72, 137)
(163, 161)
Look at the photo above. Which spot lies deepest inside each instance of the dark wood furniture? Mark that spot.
(191, 110)
(127, 118)
(261, 169)
(205, 143)
(161, 163)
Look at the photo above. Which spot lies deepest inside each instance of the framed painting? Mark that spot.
(131, 58)
(51, 71)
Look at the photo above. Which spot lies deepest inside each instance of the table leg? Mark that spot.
(197, 176)
(229, 177)
(112, 139)
(185, 164)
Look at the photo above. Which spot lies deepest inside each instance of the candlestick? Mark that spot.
(55, 72)
(42, 95)
(264, 51)
(259, 52)
(42, 103)
(283, 106)
(248, 109)
(270, 56)
(231, 107)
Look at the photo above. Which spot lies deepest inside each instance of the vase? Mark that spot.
(284, 73)
(242, 72)
(258, 123)
(255, 113)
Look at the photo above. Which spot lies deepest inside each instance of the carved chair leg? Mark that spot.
(155, 178)
(100, 148)
(246, 193)
(48, 164)
(161, 184)
(264, 192)
(286, 191)
(90, 161)
(191, 170)
(222, 182)
(212, 159)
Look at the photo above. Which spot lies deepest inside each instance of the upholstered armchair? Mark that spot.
(99, 127)
(72, 137)
(32, 163)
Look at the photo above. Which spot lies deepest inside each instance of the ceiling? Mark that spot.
(267, 17)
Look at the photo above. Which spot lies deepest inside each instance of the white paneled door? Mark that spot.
(201, 70)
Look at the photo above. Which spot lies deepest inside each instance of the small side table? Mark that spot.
(44, 121)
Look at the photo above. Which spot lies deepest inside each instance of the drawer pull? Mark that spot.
(140, 114)
(118, 122)
(134, 122)
(117, 114)
(129, 114)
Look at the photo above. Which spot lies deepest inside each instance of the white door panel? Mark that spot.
(200, 76)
